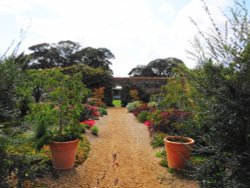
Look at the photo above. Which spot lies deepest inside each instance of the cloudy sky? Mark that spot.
(136, 31)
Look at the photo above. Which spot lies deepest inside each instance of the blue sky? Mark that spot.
(136, 31)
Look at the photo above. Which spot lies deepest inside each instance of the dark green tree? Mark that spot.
(68, 53)
(12, 79)
(46, 55)
(157, 68)
(142, 71)
(95, 57)
(164, 67)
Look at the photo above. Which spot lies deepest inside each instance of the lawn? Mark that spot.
(117, 103)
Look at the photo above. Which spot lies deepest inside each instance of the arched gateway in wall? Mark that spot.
(145, 85)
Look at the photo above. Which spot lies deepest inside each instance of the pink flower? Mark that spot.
(147, 123)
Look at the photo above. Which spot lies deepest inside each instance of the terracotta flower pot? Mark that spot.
(178, 150)
(63, 154)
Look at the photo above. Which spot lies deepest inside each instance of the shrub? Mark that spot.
(152, 104)
(223, 80)
(143, 116)
(95, 130)
(4, 162)
(142, 107)
(158, 140)
(99, 94)
(103, 111)
(89, 112)
(133, 105)
(134, 94)
(168, 121)
(12, 78)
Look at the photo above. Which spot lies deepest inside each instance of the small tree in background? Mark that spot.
(134, 94)
(99, 94)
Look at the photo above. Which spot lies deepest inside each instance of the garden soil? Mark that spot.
(121, 156)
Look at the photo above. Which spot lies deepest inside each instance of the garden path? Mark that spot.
(121, 156)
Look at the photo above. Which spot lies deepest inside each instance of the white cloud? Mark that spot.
(131, 29)
(183, 31)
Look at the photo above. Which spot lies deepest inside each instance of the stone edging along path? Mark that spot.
(120, 157)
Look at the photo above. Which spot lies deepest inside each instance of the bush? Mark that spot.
(142, 107)
(143, 116)
(223, 80)
(103, 111)
(158, 140)
(133, 105)
(12, 78)
(95, 130)
(4, 162)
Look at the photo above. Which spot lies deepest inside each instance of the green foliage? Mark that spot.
(157, 68)
(93, 78)
(4, 162)
(161, 153)
(83, 151)
(157, 98)
(12, 79)
(133, 105)
(95, 57)
(222, 80)
(164, 163)
(95, 130)
(178, 91)
(57, 117)
(158, 140)
(25, 164)
(68, 53)
(125, 97)
(103, 111)
(143, 116)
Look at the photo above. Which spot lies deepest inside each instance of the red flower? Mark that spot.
(89, 123)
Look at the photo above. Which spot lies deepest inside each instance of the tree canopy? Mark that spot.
(67, 53)
(157, 68)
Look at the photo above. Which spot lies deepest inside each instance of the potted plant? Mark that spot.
(56, 118)
(180, 106)
(178, 149)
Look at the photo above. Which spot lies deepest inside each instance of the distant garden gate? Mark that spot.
(145, 86)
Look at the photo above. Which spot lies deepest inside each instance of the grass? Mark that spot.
(117, 103)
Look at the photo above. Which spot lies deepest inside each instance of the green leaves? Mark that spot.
(56, 116)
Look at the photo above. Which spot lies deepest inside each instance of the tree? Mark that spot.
(67, 53)
(164, 67)
(46, 55)
(12, 79)
(95, 57)
(142, 71)
(157, 68)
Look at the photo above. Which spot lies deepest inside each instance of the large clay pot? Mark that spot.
(63, 154)
(178, 149)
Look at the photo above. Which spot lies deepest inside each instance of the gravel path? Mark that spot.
(120, 157)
